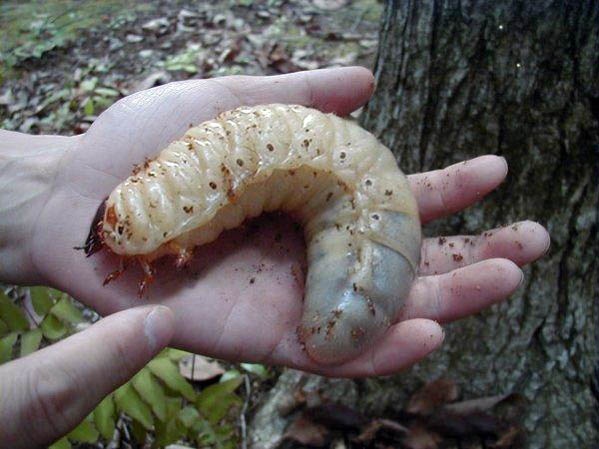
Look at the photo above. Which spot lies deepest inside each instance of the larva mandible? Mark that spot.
(359, 216)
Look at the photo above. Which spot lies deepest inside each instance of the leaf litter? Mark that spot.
(433, 418)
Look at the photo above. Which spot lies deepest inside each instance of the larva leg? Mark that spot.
(183, 255)
(148, 275)
(115, 274)
(183, 259)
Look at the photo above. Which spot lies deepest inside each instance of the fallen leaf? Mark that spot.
(431, 396)
(199, 368)
(483, 404)
(510, 437)
(473, 417)
(456, 426)
(304, 431)
(336, 416)
(6, 98)
(280, 60)
(152, 80)
(134, 38)
(347, 59)
(369, 432)
(329, 5)
(158, 26)
(421, 438)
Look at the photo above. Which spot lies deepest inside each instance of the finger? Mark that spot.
(521, 243)
(339, 90)
(443, 192)
(462, 292)
(49, 392)
(403, 345)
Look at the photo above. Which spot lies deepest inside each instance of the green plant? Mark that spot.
(93, 98)
(31, 29)
(158, 405)
(186, 60)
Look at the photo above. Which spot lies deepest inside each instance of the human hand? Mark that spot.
(46, 394)
(241, 297)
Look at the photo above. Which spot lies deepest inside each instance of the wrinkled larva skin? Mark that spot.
(359, 216)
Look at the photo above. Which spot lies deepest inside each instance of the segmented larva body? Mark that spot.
(359, 216)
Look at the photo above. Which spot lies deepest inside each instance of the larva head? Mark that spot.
(94, 241)
(110, 223)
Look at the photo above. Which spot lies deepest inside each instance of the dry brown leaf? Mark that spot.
(510, 437)
(336, 416)
(431, 396)
(280, 60)
(457, 426)
(420, 437)
(304, 431)
(470, 406)
(369, 432)
(198, 368)
(474, 417)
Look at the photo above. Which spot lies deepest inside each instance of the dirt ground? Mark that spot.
(63, 62)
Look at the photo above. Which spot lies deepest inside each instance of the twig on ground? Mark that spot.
(248, 392)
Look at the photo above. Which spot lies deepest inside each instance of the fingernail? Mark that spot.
(159, 327)
(521, 279)
(506, 167)
(547, 245)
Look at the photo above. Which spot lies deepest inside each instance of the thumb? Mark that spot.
(44, 395)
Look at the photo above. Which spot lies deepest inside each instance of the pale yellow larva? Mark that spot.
(359, 216)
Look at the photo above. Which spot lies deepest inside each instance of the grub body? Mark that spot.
(359, 216)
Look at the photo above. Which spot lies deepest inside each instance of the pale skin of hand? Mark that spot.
(241, 297)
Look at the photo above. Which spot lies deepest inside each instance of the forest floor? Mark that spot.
(63, 62)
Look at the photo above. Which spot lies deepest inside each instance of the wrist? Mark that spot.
(28, 168)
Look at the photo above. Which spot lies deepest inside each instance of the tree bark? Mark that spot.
(457, 79)
(461, 78)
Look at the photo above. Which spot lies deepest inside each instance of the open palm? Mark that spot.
(241, 296)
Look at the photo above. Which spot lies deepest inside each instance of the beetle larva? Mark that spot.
(359, 216)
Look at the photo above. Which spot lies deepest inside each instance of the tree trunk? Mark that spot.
(457, 79)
